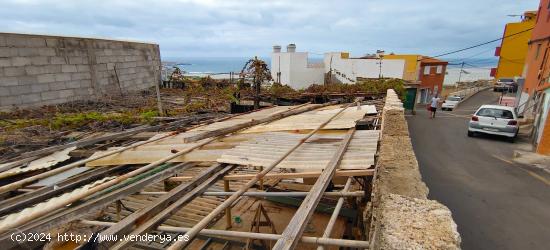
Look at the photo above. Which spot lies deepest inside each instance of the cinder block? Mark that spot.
(20, 61)
(72, 84)
(45, 78)
(16, 41)
(68, 68)
(10, 100)
(52, 42)
(66, 93)
(52, 69)
(36, 42)
(61, 77)
(8, 81)
(8, 52)
(4, 91)
(26, 80)
(38, 88)
(85, 83)
(34, 70)
(2, 40)
(76, 60)
(57, 60)
(49, 95)
(20, 89)
(39, 60)
(5, 62)
(81, 76)
(57, 85)
(27, 52)
(14, 71)
(31, 98)
(83, 68)
(47, 52)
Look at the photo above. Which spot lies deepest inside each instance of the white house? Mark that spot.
(292, 68)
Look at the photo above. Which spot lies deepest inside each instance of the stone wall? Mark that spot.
(41, 70)
(400, 216)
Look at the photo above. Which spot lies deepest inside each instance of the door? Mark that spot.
(410, 96)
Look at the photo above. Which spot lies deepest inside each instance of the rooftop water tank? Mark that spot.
(291, 48)
(276, 48)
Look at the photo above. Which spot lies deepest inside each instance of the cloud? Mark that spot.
(250, 27)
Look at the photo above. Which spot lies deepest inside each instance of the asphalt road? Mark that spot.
(496, 203)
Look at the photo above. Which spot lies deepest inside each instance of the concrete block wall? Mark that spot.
(400, 216)
(40, 70)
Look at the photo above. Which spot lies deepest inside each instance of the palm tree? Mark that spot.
(259, 72)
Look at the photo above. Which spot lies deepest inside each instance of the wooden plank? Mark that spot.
(44, 193)
(293, 232)
(193, 232)
(338, 173)
(160, 212)
(68, 214)
(127, 224)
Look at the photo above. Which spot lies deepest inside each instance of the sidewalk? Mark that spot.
(524, 154)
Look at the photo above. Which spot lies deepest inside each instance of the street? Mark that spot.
(496, 203)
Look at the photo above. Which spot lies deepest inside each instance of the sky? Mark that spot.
(228, 28)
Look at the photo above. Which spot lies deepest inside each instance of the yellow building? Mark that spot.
(513, 49)
(412, 62)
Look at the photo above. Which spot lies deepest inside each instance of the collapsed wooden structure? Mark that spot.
(181, 183)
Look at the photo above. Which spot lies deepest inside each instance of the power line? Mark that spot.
(481, 44)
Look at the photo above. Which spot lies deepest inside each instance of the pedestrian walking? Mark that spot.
(433, 106)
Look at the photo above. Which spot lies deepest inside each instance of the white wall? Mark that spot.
(295, 72)
(366, 68)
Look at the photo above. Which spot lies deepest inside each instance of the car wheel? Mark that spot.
(512, 139)
(470, 133)
(494, 90)
(450, 109)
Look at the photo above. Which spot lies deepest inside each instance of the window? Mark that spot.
(496, 113)
(537, 52)
(439, 69)
(426, 70)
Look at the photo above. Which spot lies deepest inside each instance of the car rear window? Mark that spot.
(498, 113)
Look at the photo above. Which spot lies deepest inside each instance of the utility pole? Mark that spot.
(460, 74)
(380, 68)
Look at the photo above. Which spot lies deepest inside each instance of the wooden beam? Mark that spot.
(293, 232)
(293, 111)
(249, 235)
(44, 193)
(335, 213)
(68, 214)
(272, 194)
(338, 173)
(229, 201)
(155, 213)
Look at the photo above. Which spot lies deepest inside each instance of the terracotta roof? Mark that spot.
(426, 59)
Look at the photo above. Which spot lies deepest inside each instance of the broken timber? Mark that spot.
(193, 232)
(297, 224)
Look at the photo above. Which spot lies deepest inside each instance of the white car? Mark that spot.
(494, 120)
(451, 102)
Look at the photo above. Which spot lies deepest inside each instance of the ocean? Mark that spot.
(219, 67)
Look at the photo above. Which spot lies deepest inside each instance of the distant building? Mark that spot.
(428, 72)
(535, 96)
(513, 49)
(294, 69)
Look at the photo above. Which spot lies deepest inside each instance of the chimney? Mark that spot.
(276, 48)
(291, 48)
